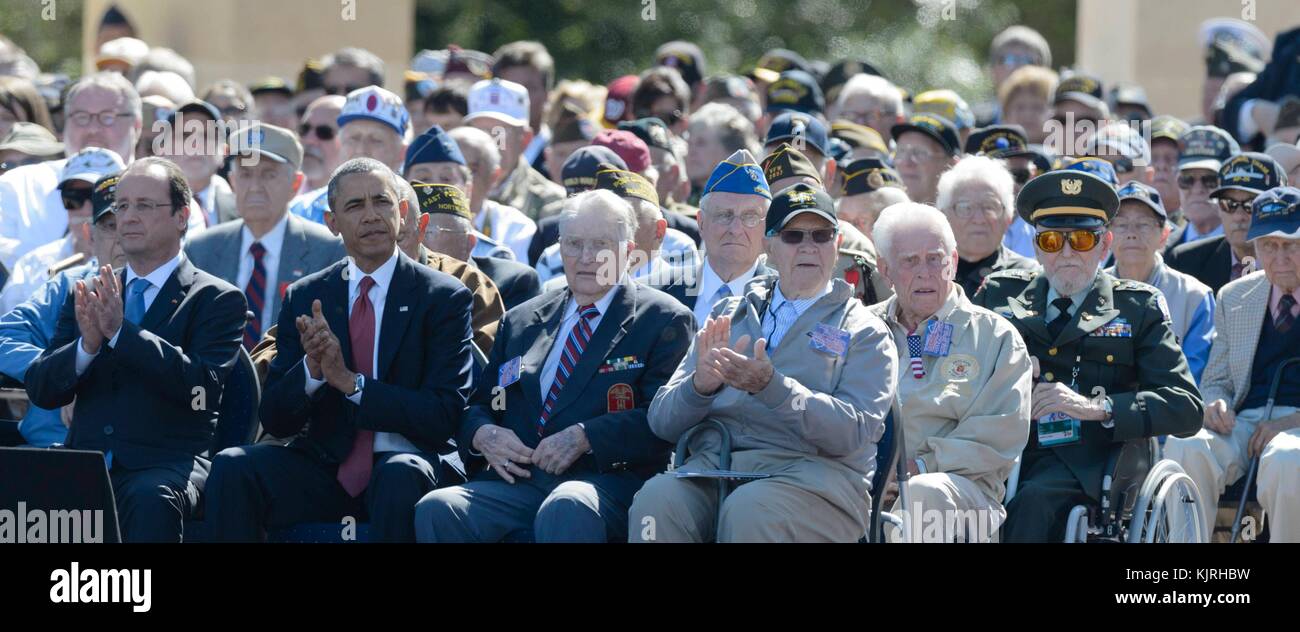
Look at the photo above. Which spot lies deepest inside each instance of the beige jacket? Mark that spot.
(826, 406)
(969, 415)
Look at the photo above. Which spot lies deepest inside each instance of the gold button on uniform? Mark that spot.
(1051, 351)
(1049, 376)
(1110, 358)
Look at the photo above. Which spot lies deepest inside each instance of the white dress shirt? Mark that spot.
(562, 335)
(156, 280)
(273, 242)
(782, 312)
(709, 284)
(378, 295)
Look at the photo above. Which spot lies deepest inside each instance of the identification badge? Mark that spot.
(1057, 429)
(509, 372)
(829, 339)
(938, 338)
(619, 398)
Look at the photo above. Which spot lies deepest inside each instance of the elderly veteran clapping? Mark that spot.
(802, 375)
(965, 390)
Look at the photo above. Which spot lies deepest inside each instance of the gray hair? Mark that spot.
(358, 166)
(479, 141)
(112, 82)
(616, 207)
(164, 60)
(707, 206)
(978, 169)
(877, 88)
(733, 129)
(164, 83)
(356, 58)
(905, 214)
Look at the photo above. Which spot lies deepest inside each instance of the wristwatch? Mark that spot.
(1109, 407)
(358, 383)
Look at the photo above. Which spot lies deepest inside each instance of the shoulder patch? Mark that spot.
(1134, 286)
(1013, 273)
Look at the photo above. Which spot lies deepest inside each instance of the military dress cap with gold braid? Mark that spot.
(626, 184)
(868, 175)
(787, 162)
(442, 198)
(739, 173)
(1067, 199)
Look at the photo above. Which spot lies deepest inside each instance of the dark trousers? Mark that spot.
(587, 507)
(153, 503)
(1048, 490)
(253, 488)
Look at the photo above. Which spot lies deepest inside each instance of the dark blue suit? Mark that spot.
(152, 399)
(643, 325)
(516, 281)
(420, 392)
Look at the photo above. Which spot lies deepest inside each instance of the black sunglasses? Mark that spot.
(795, 237)
(1209, 181)
(73, 199)
(323, 132)
(1231, 206)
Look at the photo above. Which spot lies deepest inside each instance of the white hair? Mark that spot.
(878, 88)
(989, 171)
(707, 206)
(111, 81)
(895, 217)
(618, 210)
(165, 84)
(479, 140)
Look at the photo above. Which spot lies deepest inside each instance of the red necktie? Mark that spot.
(354, 472)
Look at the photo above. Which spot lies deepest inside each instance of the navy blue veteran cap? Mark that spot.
(1205, 147)
(434, 145)
(1081, 87)
(1275, 213)
(1067, 199)
(868, 175)
(1097, 167)
(796, 199)
(739, 173)
(442, 198)
(998, 141)
(1136, 191)
(791, 126)
(936, 127)
(579, 171)
(102, 196)
(1250, 172)
(795, 90)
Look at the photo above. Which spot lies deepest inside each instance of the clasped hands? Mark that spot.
(718, 363)
(98, 303)
(323, 353)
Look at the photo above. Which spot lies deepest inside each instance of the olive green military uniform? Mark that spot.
(528, 190)
(971, 275)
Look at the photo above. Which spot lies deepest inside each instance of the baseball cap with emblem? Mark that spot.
(498, 99)
(945, 103)
(276, 143)
(790, 126)
(778, 60)
(998, 141)
(796, 199)
(442, 198)
(1205, 147)
(618, 99)
(1139, 192)
(787, 162)
(1275, 213)
(652, 131)
(194, 106)
(868, 175)
(90, 164)
(373, 103)
(1251, 172)
(1233, 45)
(1097, 167)
(1067, 199)
(685, 57)
(1166, 127)
(102, 196)
(859, 136)
(1080, 87)
(578, 173)
(271, 84)
(936, 127)
(625, 183)
(795, 90)
(634, 152)
(739, 173)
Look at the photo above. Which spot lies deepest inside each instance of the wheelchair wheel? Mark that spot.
(1168, 508)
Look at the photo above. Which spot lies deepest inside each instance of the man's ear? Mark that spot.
(661, 228)
(424, 225)
(329, 223)
(298, 177)
(1148, 175)
(473, 241)
(829, 173)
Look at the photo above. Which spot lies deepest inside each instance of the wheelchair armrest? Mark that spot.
(1127, 468)
(724, 437)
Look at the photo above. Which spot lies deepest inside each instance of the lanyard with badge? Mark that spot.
(1059, 428)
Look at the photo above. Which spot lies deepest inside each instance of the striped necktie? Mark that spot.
(255, 292)
(574, 345)
(1284, 319)
(914, 349)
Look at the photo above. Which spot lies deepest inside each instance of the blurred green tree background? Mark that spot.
(55, 45)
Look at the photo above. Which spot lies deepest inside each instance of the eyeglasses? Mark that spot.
(967, 210)
(914, 154)
(323, 132)
(1231, 206)
(1051, 241)
(575, 246)
(725, 218)
(795, 237)
(1209, 181)
(107, 119)
(143, 206)
(454, 231)
(74, 198)
(1135, 227)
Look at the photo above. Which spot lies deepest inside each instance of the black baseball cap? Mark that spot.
(937, 127)
(796, 199)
